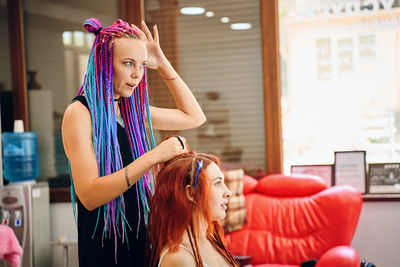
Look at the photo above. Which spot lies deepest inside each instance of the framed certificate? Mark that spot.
(350, 169)
(325, 171)
(383, 178)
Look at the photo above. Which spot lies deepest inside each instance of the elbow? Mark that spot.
(89, 206)
(201, 120)
(195, 121)
(88, 203)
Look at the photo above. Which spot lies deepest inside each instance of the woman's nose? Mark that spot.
(135, 73)
(228, 193)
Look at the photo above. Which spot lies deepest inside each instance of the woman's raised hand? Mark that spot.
(155, 55)
(169, 148)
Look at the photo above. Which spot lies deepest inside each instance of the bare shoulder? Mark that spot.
(76, 124)
(180, 258)
(76, 110)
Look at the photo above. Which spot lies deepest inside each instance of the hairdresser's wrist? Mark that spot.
(165, 67)
(152, 157)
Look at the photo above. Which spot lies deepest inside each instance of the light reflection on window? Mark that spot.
(367, 46)
(79, 38)
(89, 40)
(67, 38)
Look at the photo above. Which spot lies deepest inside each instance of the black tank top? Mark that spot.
(98, 251)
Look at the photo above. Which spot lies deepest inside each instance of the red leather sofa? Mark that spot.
(296, 218)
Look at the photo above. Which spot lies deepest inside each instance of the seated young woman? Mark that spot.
(190, 197)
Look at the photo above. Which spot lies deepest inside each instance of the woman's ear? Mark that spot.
(190, 193)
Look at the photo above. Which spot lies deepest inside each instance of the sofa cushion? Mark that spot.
(249, 184)
(290, 185)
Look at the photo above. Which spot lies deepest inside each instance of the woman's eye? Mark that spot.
(218, 183)
(142, 66)
(128, 63)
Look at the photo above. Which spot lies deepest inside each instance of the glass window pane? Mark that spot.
(57, 50)
(223, 69)
(79, 38)
(340, 83)
(89, 40)
(67, 38)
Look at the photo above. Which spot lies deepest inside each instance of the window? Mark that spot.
(223, 68)
(341, 87)
(57, 48)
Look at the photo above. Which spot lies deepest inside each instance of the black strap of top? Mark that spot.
(82, 99)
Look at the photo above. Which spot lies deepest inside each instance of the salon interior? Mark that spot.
(302, 99)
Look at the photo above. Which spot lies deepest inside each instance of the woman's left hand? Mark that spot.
(156, 56)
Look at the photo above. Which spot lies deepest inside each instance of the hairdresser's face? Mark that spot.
(129, 56)
(219, 193)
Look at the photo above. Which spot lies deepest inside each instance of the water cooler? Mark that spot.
(24, 203)
(25, 208)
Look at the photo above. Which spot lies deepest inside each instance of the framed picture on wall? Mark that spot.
(383, 178)
(325, 171)
(350, 169)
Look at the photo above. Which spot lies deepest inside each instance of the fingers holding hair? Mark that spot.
(183, 143)
(180, 141)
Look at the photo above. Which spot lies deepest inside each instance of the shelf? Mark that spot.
(58, 195)
(381, 197)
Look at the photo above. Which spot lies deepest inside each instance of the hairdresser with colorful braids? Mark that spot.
(108, 138)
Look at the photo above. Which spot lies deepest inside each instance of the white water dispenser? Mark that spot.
(26, 209)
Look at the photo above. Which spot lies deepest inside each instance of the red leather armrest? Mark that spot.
(340, 256)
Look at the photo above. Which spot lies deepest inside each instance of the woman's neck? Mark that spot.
(201, 233)
(116, 107)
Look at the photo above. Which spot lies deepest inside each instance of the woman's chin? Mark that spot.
(127, 94)
(220, 217)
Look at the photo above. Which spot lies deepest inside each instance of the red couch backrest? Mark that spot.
(298, 221)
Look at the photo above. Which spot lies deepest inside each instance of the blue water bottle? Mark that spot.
(20, 160)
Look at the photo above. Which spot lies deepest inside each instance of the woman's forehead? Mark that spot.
(130, 48)
(214, 171)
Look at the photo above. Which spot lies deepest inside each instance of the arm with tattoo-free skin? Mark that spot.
(92, 191)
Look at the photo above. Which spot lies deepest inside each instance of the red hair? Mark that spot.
(172, 213)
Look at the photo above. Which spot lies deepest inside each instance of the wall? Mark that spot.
(377, 235)
(62, 223)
